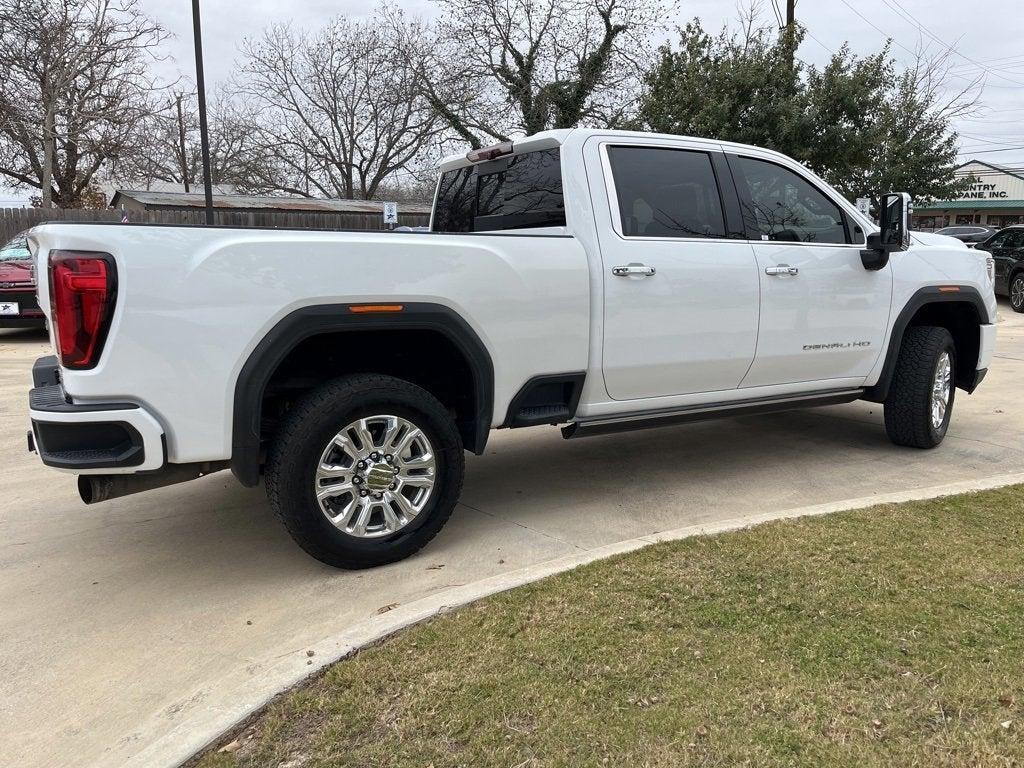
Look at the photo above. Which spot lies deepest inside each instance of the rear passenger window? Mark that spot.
(783, 206)
(666, 192)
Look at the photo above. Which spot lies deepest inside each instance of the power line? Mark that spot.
(907, 15)
(1011, 68)
(996, 61)
(989, 65)
(1013, 138)
(1001, 111)
(879, 30)
(987, 151)
(819, 42)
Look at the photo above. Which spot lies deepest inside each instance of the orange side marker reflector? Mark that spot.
(360, 308)
(948, 289)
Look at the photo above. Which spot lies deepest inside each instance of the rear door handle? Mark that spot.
(628, 270)
(781, 269)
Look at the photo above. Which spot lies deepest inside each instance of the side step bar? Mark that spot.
(649, 419)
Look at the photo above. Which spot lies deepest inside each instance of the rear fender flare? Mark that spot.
(303, 323)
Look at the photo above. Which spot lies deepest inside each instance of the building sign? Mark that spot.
(990, 183)
(994, 197)
(984, 191)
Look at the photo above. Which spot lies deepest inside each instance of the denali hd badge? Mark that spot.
(837, 345)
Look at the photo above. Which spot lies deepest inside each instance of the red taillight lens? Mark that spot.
(83, 287)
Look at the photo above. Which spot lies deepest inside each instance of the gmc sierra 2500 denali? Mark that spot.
(602, 280)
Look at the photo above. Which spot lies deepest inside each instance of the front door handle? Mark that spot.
(628, 270)
(781, 269)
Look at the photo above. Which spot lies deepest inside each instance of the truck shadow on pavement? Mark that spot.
(584, 492)
(581, 493)
(666, 478)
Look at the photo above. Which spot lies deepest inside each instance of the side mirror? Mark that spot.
(894, 222)
(894, 234)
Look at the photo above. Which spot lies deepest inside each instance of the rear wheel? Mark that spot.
(920, 400)
(365, 470)
(1017, 292)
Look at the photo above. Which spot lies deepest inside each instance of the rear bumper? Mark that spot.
(29, 314)
(90, 438)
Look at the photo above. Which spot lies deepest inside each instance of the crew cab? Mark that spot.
(594, 279)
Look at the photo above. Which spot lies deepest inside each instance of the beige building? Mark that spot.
(994, 199)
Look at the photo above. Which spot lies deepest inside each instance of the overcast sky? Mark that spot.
(988, 38)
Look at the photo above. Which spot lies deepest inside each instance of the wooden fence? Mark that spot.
(15, 220)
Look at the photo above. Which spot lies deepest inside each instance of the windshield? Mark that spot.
(16, 250)
(509, 193)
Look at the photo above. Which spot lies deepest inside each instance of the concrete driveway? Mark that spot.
(133, 629)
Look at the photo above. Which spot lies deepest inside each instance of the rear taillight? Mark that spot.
(83, 288)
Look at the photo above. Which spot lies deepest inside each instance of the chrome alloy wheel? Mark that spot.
(1017, 292)
(375, 476)
(941, 390)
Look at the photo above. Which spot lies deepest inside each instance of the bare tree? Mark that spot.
(338, 110)
(172, 145)
(554, 63)
(74, 84)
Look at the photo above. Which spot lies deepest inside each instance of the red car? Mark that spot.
(19, 306)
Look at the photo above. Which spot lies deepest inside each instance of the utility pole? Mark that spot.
(182, 153)
(204, 139)
(789, 33)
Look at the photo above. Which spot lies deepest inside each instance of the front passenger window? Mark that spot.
(783, 206)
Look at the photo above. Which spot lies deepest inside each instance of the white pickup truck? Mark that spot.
(603, 280)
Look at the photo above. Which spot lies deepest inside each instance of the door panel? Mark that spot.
(825, 322)
(691, 326)
(823, 315)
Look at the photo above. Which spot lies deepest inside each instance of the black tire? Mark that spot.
(1016, 280)
(306, 431)
(908, 414)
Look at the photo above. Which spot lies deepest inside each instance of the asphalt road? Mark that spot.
(127, 623)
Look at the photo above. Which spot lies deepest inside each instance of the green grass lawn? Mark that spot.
(892, 636)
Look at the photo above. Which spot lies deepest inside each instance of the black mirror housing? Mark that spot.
(874, 257)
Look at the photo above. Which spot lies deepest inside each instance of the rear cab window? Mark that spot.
(518, 192)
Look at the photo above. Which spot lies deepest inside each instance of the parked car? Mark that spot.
(970, 234)
(19, 307)
(1007, 249)
(601, 280)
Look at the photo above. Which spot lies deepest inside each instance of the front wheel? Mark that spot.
(1017, 292)
(920, 400)
(365, 470)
